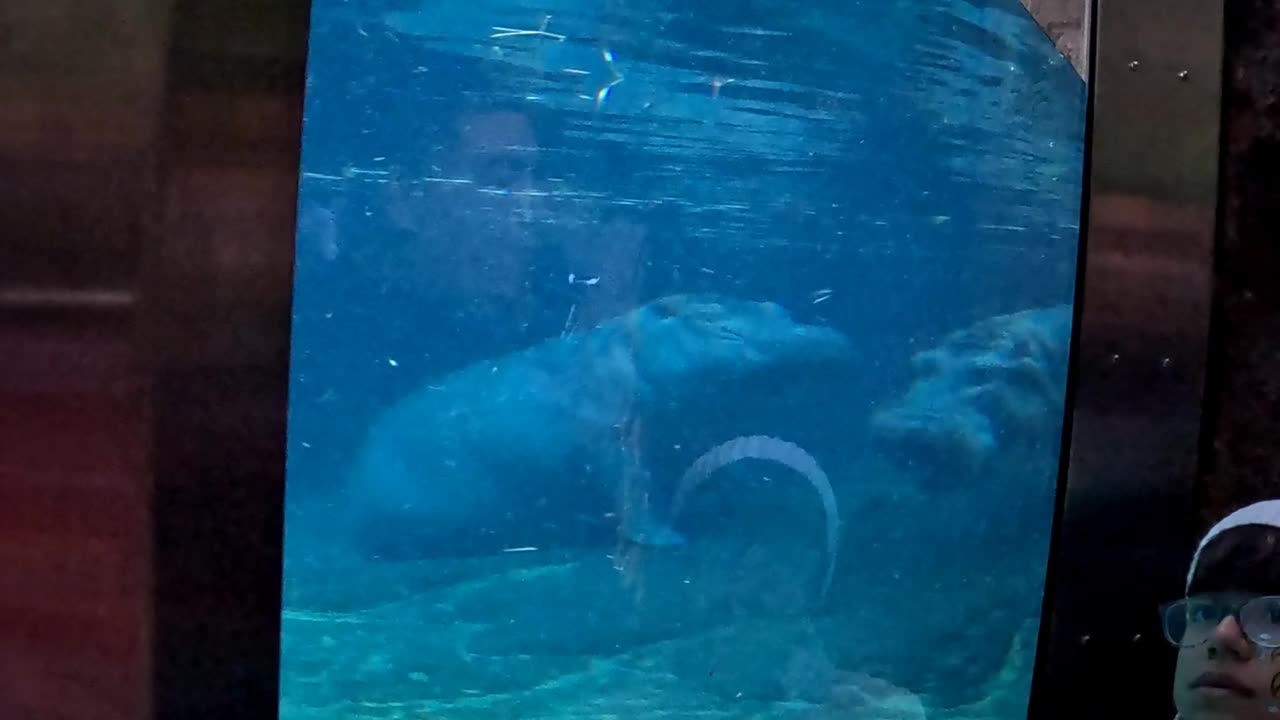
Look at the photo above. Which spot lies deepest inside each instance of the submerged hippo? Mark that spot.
(501, 450)
(994, 386)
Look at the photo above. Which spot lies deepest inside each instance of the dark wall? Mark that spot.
(1240, 459)
(81, 88)
(149, 150)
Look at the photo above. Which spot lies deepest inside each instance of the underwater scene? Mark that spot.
(676, 358)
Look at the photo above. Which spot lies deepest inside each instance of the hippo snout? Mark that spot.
(933, 446)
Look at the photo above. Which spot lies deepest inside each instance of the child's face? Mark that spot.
(1227, 676)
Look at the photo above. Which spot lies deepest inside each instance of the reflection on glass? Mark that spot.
(676, 359)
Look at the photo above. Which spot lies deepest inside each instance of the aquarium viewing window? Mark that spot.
(677, 359)
(500, 359)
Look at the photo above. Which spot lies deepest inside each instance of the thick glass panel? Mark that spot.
(691, 359)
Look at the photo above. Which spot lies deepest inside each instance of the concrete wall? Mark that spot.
(1067, 23)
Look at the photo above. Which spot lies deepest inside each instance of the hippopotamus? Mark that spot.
(995, 386)
(505, 451)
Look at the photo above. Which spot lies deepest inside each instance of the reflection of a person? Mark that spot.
(465, 253)
(1227, 628)
(485, 243)
(471, 225)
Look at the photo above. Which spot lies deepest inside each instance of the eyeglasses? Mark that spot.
(1192, 621)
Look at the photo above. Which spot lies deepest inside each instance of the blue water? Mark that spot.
(891, 171)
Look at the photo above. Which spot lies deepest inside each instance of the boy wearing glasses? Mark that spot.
(1227, 628)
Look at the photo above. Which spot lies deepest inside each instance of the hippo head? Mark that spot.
(996, 386)
(932, 434)
(683, 341)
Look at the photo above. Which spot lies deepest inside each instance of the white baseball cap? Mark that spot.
(1265, 512)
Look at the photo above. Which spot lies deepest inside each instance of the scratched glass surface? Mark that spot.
(673, 358)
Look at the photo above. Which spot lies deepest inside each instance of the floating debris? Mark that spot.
(502, 32)
(392, 362)
(526, 548)
(568, 321)
(751, 30)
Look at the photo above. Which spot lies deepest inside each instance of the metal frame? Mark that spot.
(1125, 520)
(196, 263)
(218, 284)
